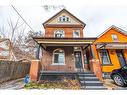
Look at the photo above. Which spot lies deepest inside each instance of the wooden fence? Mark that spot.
(10, 70)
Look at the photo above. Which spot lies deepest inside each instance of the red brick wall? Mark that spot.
(95, 67)
(47, 58)
(49, 32)
(34, 70)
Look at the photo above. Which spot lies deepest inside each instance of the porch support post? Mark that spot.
(38, 51)
(82, 53)
(92, 53)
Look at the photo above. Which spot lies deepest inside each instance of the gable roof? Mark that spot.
(64, 10)
(116, 28)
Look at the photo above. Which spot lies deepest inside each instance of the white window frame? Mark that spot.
(114, 38)
(107, 56)
(59, 31)
(60, 19)
(54, 56)
(76, 30)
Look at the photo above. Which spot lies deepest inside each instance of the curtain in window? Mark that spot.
(104, 57)
(59, 56)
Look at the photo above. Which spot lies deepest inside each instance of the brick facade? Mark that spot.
(47, 59)
(68, 31)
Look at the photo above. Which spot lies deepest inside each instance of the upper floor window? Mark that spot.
(114, 38)
(76, 33)
(104, 57)
(59, 33)
(64, 19)
(58, 57)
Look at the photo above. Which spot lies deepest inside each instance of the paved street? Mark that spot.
(13, 84)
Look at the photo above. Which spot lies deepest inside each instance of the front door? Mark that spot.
(121, 57)
(78, 60)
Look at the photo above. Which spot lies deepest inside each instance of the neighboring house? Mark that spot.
(64, 47)
(111, 49)
(6, 50)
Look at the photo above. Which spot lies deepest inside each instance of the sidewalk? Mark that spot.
(13, 84)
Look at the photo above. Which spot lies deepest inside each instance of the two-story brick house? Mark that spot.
(64, 47)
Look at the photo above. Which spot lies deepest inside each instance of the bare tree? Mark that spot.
(13, 28)
(25, 47)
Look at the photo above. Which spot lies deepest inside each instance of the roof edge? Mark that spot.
(113, 27)
(59, 13)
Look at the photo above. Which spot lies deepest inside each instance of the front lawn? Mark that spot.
(63, 84)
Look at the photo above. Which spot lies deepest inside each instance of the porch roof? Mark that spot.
(44, 41)
(111, 45)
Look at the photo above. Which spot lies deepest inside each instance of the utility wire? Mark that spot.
(22, 17)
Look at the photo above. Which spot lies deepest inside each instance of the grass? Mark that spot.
(65, 84)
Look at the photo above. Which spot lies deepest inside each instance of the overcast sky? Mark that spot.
(97, 15)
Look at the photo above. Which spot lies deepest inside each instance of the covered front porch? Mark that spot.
(65, 54)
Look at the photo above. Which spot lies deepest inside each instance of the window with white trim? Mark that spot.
(114, 38)
(59, 34)
(76, 33)
(104, 57)
(63, 19)
(58, 57)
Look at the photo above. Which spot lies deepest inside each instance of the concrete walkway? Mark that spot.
(13, 84)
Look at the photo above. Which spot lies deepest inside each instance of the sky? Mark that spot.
(98, 15)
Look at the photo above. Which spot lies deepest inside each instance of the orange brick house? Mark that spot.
(64, 47)
(110, 48)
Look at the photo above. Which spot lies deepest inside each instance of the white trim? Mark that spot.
(76, 30)
(108, 57)
(113, 38)
(56, 53)
(63, 35)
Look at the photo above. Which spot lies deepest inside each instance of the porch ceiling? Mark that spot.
(63, 41)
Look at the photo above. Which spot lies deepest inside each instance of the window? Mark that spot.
(64, 19)
(104, 57)
(59, 33)
(58, 57)
(76, 33)
(114, 38)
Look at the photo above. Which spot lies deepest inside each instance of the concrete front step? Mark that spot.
(89, 79)
(87, 75)
(82, 77)
(93, 84)
(93, 87)
(83, 81)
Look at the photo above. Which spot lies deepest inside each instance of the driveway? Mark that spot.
(112, 86)
(13, 84)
